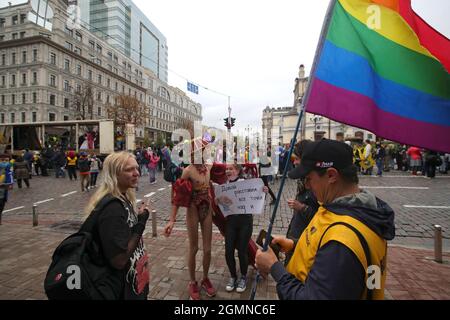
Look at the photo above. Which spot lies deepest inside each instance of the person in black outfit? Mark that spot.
(120, 226)
(265, 178)
(304, 205)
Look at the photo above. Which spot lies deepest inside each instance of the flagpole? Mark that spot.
(320, 44)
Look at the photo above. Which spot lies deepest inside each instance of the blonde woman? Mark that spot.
(120, 226)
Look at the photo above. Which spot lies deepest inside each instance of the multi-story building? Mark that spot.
(43, 67)
(123, 25)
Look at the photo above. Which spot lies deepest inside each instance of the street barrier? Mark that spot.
(437, 243)
(35, 216)
(154, 233)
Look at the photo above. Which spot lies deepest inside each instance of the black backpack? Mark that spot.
(172, 172)
(78, 270)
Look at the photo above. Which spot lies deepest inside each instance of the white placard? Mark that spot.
(241, 197)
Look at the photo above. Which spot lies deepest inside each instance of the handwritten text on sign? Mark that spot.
(241, 197)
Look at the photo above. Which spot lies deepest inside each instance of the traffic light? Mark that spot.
(227, 124)
(232, 121)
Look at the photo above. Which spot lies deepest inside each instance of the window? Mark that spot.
(68, 31)
(66, 103)
(3, 59)
(2, 117)
(66, 118)
(23, 18)
(66, 86)
(78, 88)
(77, 50)
(108, 83)
(15, 20)
(13, 58)
(24, 98)
(116, 59)
(51, 117)
(69, 46)
(14, 36)
(23, 117)
(3, 99)
(78, 36)
(99, 111)
(67, 64)
(13, 99)
(22, 35)
(34, 97)
(13, 117)
(79, 69)
(110, 55)
(13, 80)
(33, 116)
(99, 62)
(99, 49)
(24, 79)
(107, 99)
(52, 80)
(90, 74)
(35, 53)
(53, 58)
(116, 86)
(52, 99)
(2, 22)
(99, 96)
(34, 77)
(91, 44)
(99, 79)
(116, 71)
(24, 57)
(3, 81)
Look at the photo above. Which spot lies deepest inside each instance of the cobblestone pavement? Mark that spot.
(25, 251)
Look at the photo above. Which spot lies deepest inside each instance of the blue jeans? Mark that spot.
(380, 167)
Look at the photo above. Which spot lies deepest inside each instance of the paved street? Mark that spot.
(25, 251)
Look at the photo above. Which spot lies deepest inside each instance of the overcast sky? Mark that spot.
(247, 49)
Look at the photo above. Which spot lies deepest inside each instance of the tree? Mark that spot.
(83, 103)
(128, 109)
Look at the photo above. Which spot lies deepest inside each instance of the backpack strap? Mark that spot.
(364, 244)
(91, 221)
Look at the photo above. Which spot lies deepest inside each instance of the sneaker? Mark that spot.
(231, 285)
(207, 285)
(242, 284)
(194, 291)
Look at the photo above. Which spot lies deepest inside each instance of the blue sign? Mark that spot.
(192, 87)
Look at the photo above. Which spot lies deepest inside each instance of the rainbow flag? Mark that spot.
(382, 68)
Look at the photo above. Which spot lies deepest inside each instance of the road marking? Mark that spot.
(68, 194)
(161, 189)
(137, 200)
(169, 186)
(13, 209)
(428, 207)
(395, 187)
(149, 194)
(46, 200)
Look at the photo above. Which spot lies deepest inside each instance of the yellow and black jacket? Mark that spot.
(332, 256)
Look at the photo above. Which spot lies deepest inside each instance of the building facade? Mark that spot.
(42, 69)
(125, 27)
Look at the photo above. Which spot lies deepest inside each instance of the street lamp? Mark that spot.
(315, 119)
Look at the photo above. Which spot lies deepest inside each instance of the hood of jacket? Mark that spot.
(369, 209)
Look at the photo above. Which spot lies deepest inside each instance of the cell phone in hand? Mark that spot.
(262, 236)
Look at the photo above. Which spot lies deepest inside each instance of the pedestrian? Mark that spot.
(192, 191)
(265, 171)
(238, 232)
(380, 154)
(304, 205)
(72, 165)
(153, 160)
(95, 170)
(21, 172)
(432, 161)
(344, 242)
(367, 159)
(28, 158)
(84, 167)
(121, 226)
(59, 162)
(6, 181)
(415, 159)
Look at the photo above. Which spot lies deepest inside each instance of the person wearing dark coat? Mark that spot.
(21, 172)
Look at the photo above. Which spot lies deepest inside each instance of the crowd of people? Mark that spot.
(337, 230)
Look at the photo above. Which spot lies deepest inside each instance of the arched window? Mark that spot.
(163, 93)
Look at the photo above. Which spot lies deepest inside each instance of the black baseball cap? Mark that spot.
(321, 155)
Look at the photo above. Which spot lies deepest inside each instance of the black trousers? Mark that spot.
(19, 183)
(238, 231)
(94, 176)
(72, 170)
